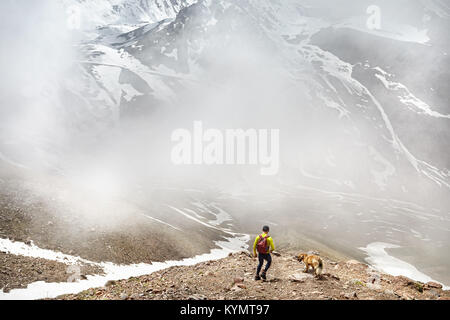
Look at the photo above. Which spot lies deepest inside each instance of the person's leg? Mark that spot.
(269, 262)
(258, 269)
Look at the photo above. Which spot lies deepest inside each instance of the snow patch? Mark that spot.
(41, 290)
(380, 260)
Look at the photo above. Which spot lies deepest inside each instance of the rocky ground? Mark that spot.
(18, 271)
(233, 278)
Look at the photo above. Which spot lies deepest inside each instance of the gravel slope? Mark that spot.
(232, 278)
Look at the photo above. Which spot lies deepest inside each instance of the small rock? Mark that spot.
(238, 280)
(435, 293)
(373, 286)
(374, 278)
(235, 288)
(275, 253)
(404, 281)
(123, 296)
(407, 297)
(300, 277)
(246, 253)
(389, 292)
(434, 285)
(329, 275)
(241, 285)
(351, 295)
(110, 283)
(197, 297)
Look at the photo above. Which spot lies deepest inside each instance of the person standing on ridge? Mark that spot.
(264, 245)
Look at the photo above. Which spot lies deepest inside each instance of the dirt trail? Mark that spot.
(233, 278)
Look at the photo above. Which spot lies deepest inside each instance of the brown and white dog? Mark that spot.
(311, 260)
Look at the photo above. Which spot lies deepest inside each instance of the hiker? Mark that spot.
(264, 245)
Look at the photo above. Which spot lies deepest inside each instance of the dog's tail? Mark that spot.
(319, 268)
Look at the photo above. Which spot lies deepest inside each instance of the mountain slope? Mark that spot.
(232, 278)
(87, 117)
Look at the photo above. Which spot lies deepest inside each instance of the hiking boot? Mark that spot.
(257, 277)
(263, 276)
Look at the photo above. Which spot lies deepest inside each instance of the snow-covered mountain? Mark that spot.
(381, 94)
(105, 13)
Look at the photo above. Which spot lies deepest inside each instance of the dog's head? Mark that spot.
(301, 257)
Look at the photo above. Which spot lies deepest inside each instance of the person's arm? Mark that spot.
(272, 246)
(254, 246)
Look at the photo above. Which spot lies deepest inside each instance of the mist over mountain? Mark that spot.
(92, 90)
